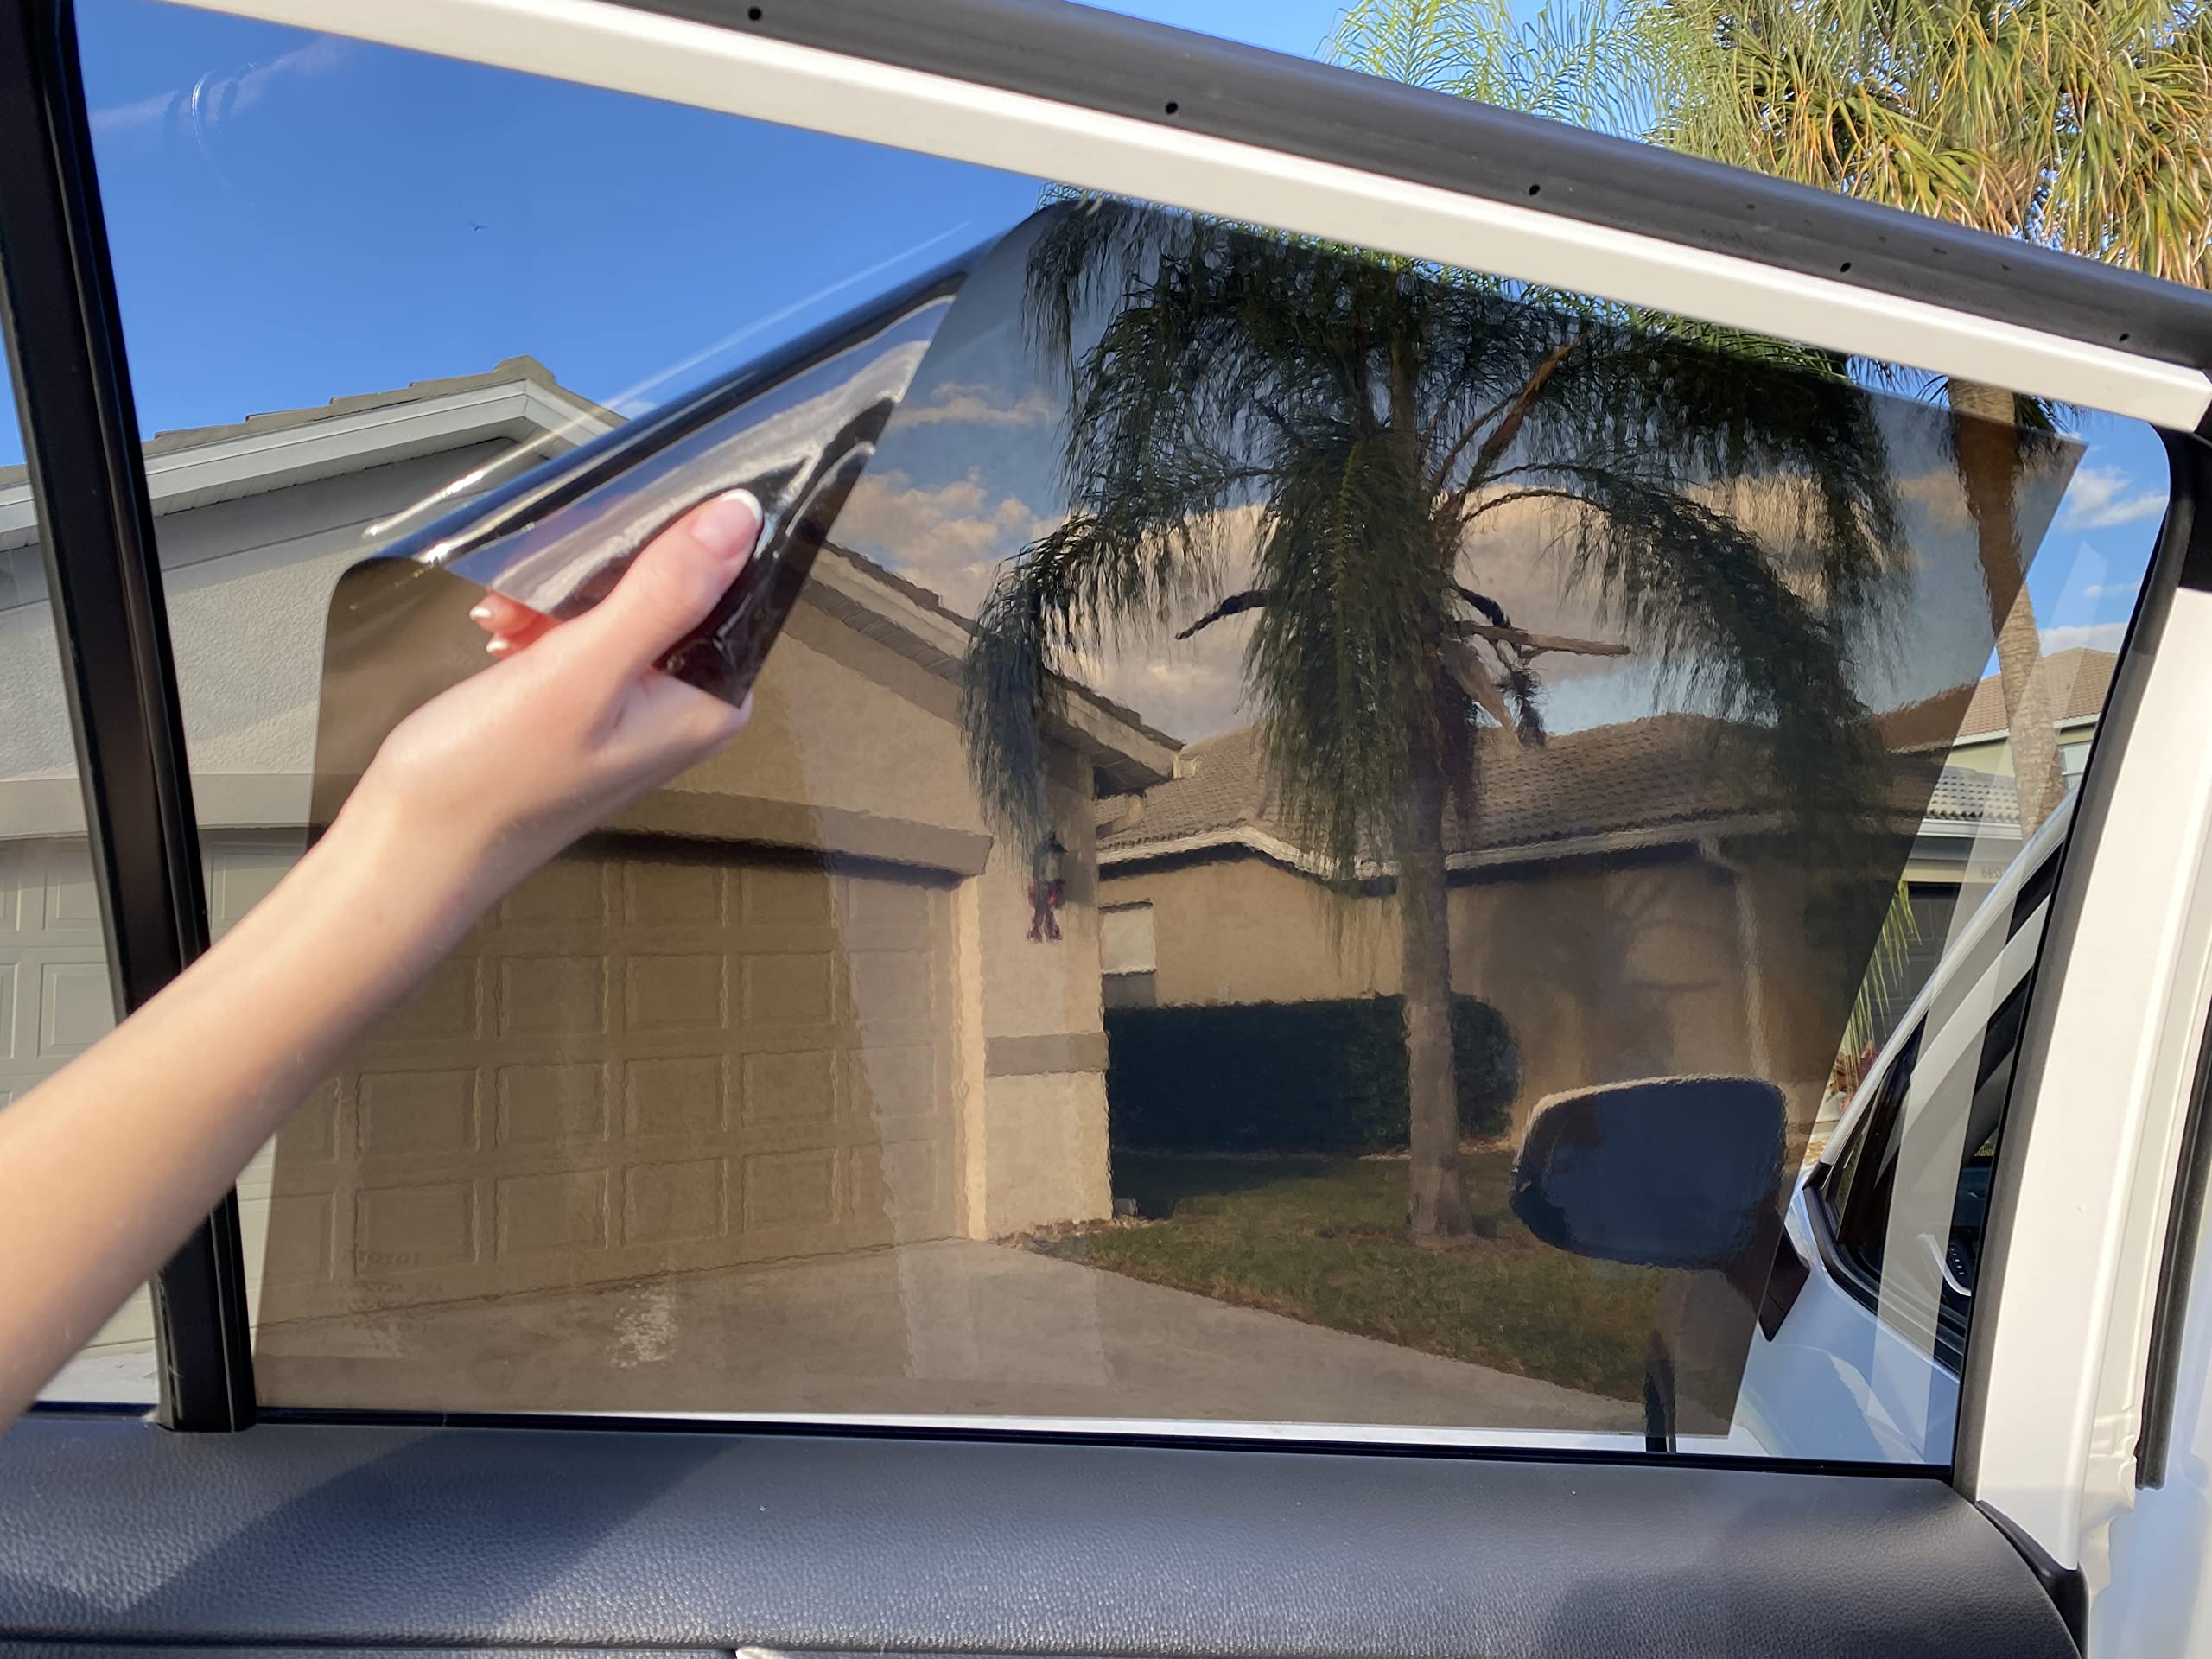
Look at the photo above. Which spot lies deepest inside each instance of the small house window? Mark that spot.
(1127, 956)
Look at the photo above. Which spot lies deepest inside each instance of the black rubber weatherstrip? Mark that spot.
(1095, 60)
(96, 526)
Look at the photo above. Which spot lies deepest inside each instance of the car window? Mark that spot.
(1856, 1196)
(1272, 727)
(1965, 1106)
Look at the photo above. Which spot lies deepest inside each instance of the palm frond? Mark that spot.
(2083, 127)
(1323, 426)
(1880, 994)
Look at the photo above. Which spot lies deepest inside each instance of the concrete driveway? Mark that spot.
(948, 1327)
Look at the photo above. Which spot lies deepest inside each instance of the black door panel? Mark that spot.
(330, 1535)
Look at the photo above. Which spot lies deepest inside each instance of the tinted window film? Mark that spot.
(1271, 730)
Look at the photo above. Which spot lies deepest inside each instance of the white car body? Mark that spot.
(1838, 1379)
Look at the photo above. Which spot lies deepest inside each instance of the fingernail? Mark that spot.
(727, 524)
(499, 647)
(481, 613)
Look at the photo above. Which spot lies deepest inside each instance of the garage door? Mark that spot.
(55, 1002)
(650, 1060)
(54, 997)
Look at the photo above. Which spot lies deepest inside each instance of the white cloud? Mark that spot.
(2098, 498)
(1190, 690)
(957, 404)
(951, 539)
(2109, 590)
(2098, 636)
(1937, 493)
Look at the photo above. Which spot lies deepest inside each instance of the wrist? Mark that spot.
(415, 887)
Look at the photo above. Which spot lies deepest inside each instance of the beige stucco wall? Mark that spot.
(1240, 928)
(1604, 968)
(1994, 755)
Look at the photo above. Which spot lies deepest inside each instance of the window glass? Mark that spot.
(55, 997)
(1125, 941)
(356, 292)
(1912, 1108)
(1857, 1197)
(1127, 956)
(1277, 738)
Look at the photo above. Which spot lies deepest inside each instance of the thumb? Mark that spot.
(673, 583)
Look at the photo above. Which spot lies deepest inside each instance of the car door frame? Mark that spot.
(1323, 151)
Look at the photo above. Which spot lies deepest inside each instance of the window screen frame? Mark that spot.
(64, 337)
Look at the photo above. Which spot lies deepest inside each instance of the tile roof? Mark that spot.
(1639, 775)
(506, 371)
(929, 599)
(1964, 796)
(2078, 680)
(1650, 778)
(523, 368)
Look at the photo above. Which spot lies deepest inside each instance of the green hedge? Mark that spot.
(1290, 1077)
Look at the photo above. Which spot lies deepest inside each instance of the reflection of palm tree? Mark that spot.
(1339, 422)
(1994, 435)
(2078, 126)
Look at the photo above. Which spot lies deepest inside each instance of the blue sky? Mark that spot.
(293, 217)
(296, 218)
(1299, 26)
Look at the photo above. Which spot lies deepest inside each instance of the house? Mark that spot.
(1608, 898)
(1973, 823)
(1972, 829)
(1614, 896)
(789, 1006)
(2077, 680)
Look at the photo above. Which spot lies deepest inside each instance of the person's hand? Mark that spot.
(106, 1165)
(496, 775)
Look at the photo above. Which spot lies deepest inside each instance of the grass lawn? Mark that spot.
(1324, 1240)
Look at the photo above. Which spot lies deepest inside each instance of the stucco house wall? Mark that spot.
(1231, 926)
(1604, 968)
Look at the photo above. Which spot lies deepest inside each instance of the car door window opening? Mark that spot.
(1304, 785)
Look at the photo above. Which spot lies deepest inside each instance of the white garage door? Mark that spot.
(55, 1002)
(54, 998)
(649, 1060)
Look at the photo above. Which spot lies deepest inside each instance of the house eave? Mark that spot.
(247, 460)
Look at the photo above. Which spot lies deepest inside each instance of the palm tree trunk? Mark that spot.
(1988, 450)
(1439, 1194)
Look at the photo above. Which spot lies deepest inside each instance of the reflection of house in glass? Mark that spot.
(790, 1008)
(1611, 896)
(1972, 826)
(1606, 894)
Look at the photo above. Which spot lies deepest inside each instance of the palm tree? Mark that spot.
(2082, 126)
(1336, 423)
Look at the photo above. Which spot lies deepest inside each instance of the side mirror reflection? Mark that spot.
(1671, 1172)
(1680, 1172)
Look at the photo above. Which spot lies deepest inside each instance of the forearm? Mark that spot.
(110, 1162)
(106, 1166)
